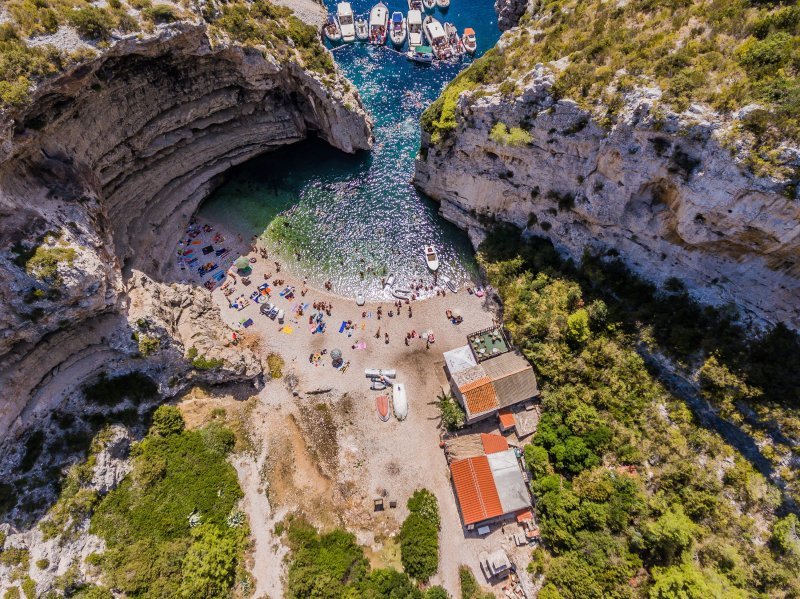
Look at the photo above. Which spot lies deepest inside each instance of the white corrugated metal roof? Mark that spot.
(508, 479)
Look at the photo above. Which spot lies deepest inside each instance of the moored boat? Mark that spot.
(382, 406)
(436, 37)
(414, 23)
(452, 38)
(344, 14)
(469, 40)
(360, 299)
(399, 401)
(415, 5)
(331, 29)
(429, 4)
(431, 258)
(389, 280)
(402, 294)
(420, 54)
(362, 30)
(397, 29)
(443, 4)
(378, 24)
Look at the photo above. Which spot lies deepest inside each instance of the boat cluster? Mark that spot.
(427, 37)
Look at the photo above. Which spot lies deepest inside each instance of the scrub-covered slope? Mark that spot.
(667, 131)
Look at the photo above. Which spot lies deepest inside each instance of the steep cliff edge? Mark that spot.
(676, 187)
(103, 167)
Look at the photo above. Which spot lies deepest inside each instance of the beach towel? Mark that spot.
(247, 323)
(287, 330)
(341, 328)
(361, 345)
(208, 249)
(220, 276)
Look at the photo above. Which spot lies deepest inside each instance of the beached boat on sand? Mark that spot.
(344, 14)
(331, 29)
(469, 40)
(429, 5)
(415, 37)
(397, 29)
(436, 37)
(431, 258)
(378, 372)
(378, 24)
(420, 54)
(402, 294)
(399, 401)
(360, 299)
(382, 406)
(389, 280)
(362, 30)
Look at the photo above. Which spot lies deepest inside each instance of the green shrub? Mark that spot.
(201, 362)
(167, 420)
(147, 345)
(275, 365)
(43, 563)
(44, 262)
(419, 547)
(515, 136)
(424, 503)
(160, 13)
(453, 415)
(29, 588)
(91, 22)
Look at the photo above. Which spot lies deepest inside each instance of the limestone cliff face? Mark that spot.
(109, 161)
(509, 12)
(662, 192)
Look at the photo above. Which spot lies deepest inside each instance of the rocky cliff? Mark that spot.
(661, 188)
(100, 172)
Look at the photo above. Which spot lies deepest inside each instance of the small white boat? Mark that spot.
(359, 299)
(344, 14)
(402, 294)
(451, 285)
(415, 5)
(373, 373)
(469, 40)
(397, 29)
(331, 29)
(378, 385)
(415, 36)
(378, 24)
(399, 401)
(420, 54)
(362, 30)
(436, 37)
(429, 4)
(431, 258)
(389, 281)
(452, 38)
(443, 4)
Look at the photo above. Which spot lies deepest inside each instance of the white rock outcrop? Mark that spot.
(663, 192)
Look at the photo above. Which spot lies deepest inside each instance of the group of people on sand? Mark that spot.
(323, 307)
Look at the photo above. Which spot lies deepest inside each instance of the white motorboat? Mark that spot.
(431, 258)
(452, 38)
(420, 54)
(415, 5)
(378, 24)
(429, 5)
(389, 281)
(362, 30)
(436, 37)
(415, 37)
(360, 299)
(402, 294)
(344, 14)
(443, 4)
(373, 373)
(397, 29)
(331, 29)
(451, 285)
(469, 40)
(399, 401)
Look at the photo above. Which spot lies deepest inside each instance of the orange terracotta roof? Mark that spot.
(506, 418)
(475, 489)
(479, 395)
(493, 443)
(524, 515)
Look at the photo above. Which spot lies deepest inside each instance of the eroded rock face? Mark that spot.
(664, 193)
(509, 12)
(109, 162)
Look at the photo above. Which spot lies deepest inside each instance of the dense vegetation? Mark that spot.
(725, 53)
(332, 565)
(419, 536)
(273, 29)
(172, 528)
(632, 496)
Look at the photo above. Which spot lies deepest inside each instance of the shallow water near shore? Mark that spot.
(353, 219)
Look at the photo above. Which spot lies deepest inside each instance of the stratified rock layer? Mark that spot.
(664, 193)
(111, 159)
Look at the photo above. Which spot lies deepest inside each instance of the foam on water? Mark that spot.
(351, 219)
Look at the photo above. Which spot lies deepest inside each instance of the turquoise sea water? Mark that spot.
(350, 219)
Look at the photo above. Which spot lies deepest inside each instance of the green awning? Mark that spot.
(423, 50)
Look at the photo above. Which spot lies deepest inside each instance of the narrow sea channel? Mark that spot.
(333, 216)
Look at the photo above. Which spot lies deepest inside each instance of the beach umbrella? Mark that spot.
(336, 355)
(242, 263)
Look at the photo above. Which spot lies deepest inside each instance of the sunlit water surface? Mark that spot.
(353, 219)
